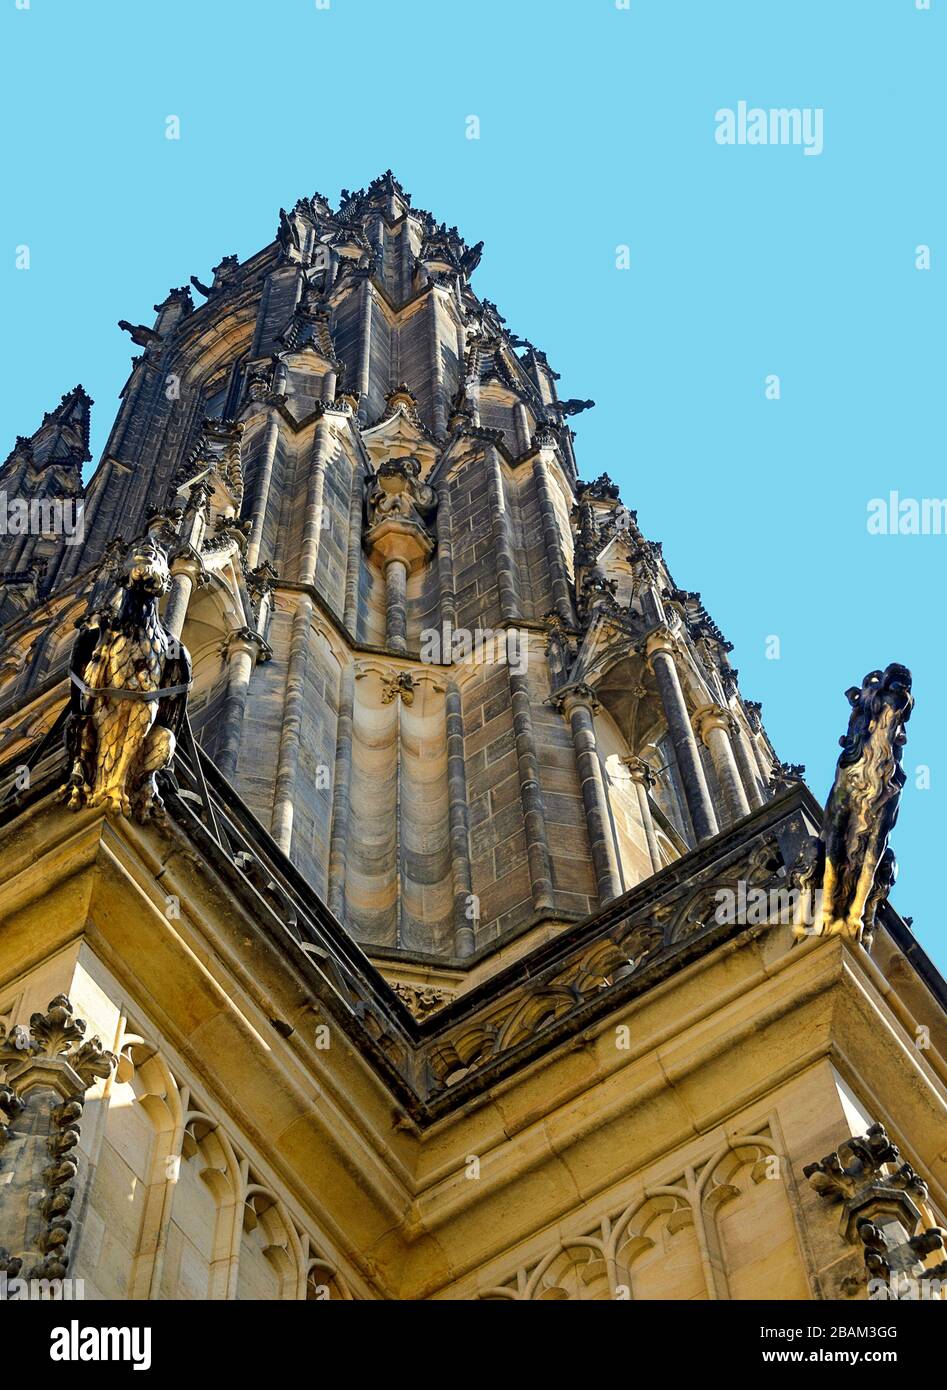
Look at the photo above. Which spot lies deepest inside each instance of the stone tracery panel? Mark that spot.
(175, 1202)
(722, 1228)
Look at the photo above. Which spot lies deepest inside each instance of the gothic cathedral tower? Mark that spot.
(400, 829)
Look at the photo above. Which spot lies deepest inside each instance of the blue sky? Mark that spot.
(596, 131)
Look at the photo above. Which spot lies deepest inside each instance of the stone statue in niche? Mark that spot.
(396, 490)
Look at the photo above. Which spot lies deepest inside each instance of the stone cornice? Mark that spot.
(425, 1064)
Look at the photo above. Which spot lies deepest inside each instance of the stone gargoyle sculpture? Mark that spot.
(850, 861)
(130, 680)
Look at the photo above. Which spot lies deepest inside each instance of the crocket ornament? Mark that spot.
(851, 856)
(130, 679)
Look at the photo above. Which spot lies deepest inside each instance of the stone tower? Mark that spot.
(462, 776)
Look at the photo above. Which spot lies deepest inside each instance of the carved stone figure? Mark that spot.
(851, 856)
(396, 491)
(863, 804)
(129, 687)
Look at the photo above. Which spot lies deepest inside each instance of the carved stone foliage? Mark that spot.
(399, 685)
(602, 489)
(853, 863)
(48, 1069)
(754, 714)
(596, 591)
(785, 775)
(884, 1210)
(129, 687)
(216, 454)
(422, 1000)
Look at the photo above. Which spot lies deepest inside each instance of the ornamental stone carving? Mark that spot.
(48, 1069)
(884, 1209)
(399, 514)
(852, 860)
(130, 679)
(422, 1000)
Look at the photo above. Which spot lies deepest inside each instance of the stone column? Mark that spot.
(505, 562)
(342, 794)
(315, 492)
(353, 553)
(765, 765)
(186, 571)
(242, 649)
(445, 554)
(281, 821)
(398, 538)
(531, 796)
(49, 1069)
(713, 725)
(464, 935)
(579, 705)
(396, 616)
(365, 366)
(642, 774)
(437, 367)
(262, 491)
(661, 653)
(552, 540)
(749, 776)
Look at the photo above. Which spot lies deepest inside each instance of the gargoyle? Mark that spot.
(129, 689)
(288, 232)
(471, 259)
(140, 335)
(851, 855)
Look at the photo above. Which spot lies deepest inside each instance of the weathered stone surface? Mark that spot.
(448, 703)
